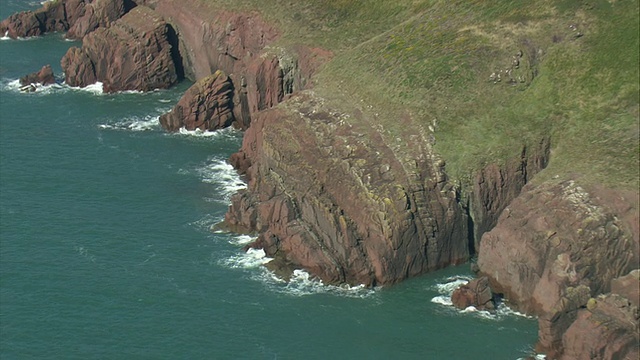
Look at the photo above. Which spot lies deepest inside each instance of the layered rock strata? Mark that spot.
(207, 105)
(77, 17)
(99, 13)
(556, 246)
(137, 52)
(52, 16)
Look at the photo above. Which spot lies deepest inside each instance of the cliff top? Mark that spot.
(480, 78)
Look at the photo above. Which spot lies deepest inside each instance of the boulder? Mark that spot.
(476, 293)
(137, 52)
(43, 77)
(207, 105)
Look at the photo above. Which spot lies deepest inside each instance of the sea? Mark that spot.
(107, 249)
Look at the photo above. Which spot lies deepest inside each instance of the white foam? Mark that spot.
(535, 357)
(449, 285)
(6, 36)
(221, 174)
(253, 258)
(96, 88)
(242, 239)
(134, 123)
(302, 283)
(228, 132)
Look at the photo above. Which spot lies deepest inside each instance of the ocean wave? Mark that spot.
(250, 259)
(228, 132)
(223, 176)
(446, 288)
(134, 123)
(242, 239)
(302, 283)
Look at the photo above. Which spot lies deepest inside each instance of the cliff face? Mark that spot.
(336, 200)
(134, 53)
(554, 247)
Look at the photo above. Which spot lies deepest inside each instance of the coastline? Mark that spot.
(373, 209)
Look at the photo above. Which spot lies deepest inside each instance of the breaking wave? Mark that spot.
(448, 285)
(134, 123)
(224, 177)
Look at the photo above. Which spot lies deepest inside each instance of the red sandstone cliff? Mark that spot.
(555, 246)
(134, 53)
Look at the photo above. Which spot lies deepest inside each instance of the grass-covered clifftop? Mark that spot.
(483, 76)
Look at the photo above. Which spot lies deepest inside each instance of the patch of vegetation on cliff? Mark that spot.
(483, 78)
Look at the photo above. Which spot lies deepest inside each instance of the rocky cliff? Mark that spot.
(134, 53)
(557, 245)
(352, 198)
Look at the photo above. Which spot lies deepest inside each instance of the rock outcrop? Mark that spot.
(42, 77)
(99, 13)
(207, 105)
(606, 329)
(552, 237)
(554, 247)
(137, 52)
(331, 197)
(494, 187)
(476, 293)
(239, 45)
(78, 17)
(52, 16)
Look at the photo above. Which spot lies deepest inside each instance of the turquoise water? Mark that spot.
(106, 252)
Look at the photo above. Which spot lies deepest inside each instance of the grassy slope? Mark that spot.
(432, 61)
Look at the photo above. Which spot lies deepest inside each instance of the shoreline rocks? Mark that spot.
(42, 77)
(134, 53)
(476, 293)
(207, 106)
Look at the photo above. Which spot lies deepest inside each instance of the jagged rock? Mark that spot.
(43, 77)
(50, 17)
(207, 105)
(607, 331)
(628, 286)
(59, 15)
(476, 293)
(137, 52)
(336, 215)
(494, 187)
(555, 236)
(99, 13)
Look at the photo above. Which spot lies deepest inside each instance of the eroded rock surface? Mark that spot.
(99, 13)
(207, 105)
(476, 293)
(556, 246)
(78, 17)
(43, 77)
(136, 52)
(329, 196)
(606, 329)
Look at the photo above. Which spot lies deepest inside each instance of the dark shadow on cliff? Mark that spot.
(172, 37)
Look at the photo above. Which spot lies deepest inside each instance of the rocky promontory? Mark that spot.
(378, 153)
(207, 106)
(137, 52)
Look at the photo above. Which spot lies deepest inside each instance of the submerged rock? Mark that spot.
(207, 105)
(134, 53)
(43, 77)
(476, 293)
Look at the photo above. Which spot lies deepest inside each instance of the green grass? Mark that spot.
(430, 61)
